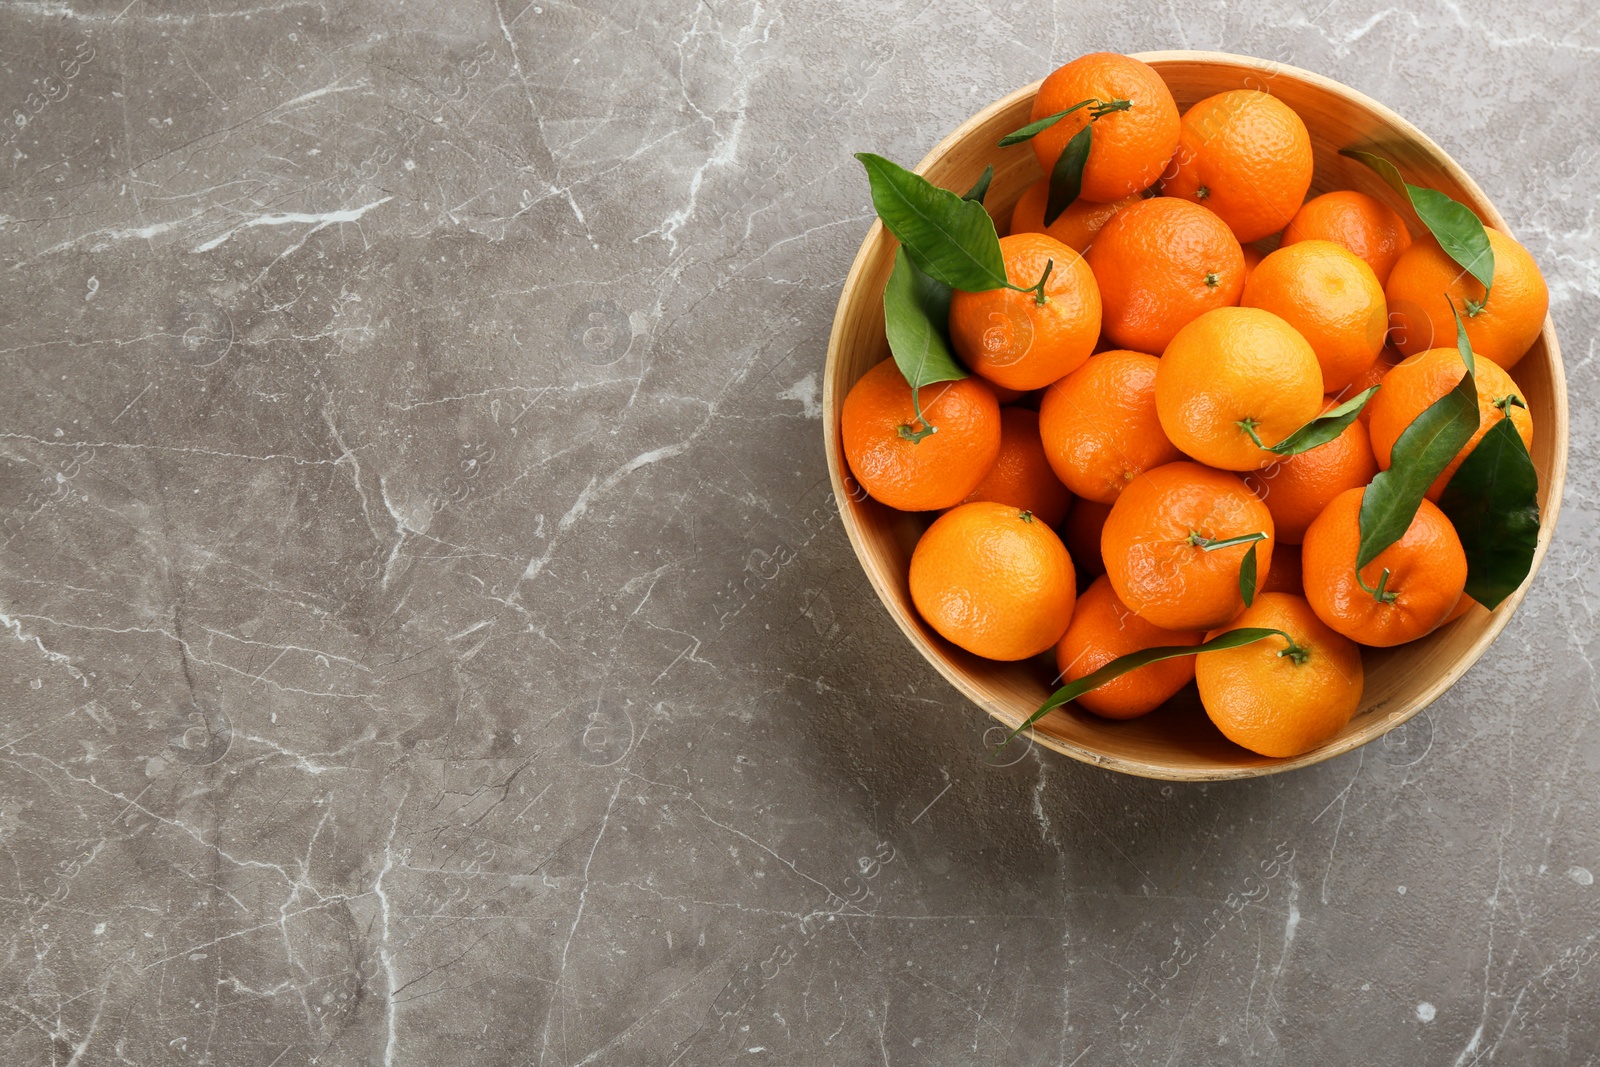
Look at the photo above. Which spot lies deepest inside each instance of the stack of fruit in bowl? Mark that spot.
(1273, 430)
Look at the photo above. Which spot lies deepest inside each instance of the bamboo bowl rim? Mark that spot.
(1554, 479)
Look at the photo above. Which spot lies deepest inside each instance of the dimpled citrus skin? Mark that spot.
(1297, 488)
(1332, 298)
(1102, 629)
(935, 472)
(1021, 477)
(1416, 383)
(1160, 264)
(1274, 704)
(1229, 366)
(1150, 554)
(993, 580)
(1363, 224)
(1099, 425)
(1503, 331)
(1427, 572)
(1075, 227)
(1246, 156)
(1129, 148)
(1012, 339)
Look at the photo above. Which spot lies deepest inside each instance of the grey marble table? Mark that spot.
(429, 639)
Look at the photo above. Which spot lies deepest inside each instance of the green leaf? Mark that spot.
(1247, 577)
(1324, 428)
(1033, 129)
(980, 189)
(1134, 660)
(1459, 232)
(948, 238)
(915, 311)
(1420, 455)
(1493, 502)
(1066, 177)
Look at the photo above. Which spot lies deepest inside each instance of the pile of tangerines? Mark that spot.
(1119, 416)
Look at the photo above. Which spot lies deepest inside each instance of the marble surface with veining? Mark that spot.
(428, 637)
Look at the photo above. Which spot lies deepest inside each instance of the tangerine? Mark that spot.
(1130, 145)
(1245, 155)
(1100, 427)
(1160, 549)
(1234, 382)
(993, 580)
(1160, 264)
(1415, 384)
(1425, 283)
(1017, 340)
(1102, 629)
(913, 465)
(1021, 477)
(1406, 591)
(1280, 697)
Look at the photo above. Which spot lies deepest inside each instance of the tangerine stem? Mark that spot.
(1101, 110)
(1295, 652)
(1509, 401)
(1382, 594)
(915, 436)
(1037, 288)
(1208, 545)
(1249, 426)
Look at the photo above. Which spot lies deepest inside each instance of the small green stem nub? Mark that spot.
(1102, 110)
(1295, 652)
(1249, 426)
(1025, 516)
(1509, 401)
(1383, 594)
(1213, 279)
(1475, 307)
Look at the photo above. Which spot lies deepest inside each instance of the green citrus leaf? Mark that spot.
(1033, 129)
(980, 188)
(949, 239)
(1324, 428)
(1134, 660)
(1066, 177)
(1420, 455)
(916, 309)
(1247, 577)
(1493, 501)
(1459, 232)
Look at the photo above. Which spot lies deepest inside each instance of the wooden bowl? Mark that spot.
(1177, 741)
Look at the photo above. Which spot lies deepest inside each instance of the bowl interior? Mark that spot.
(1177, 741)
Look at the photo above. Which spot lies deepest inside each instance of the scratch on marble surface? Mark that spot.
(15, 626)
(596, 488)
(294, 218)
